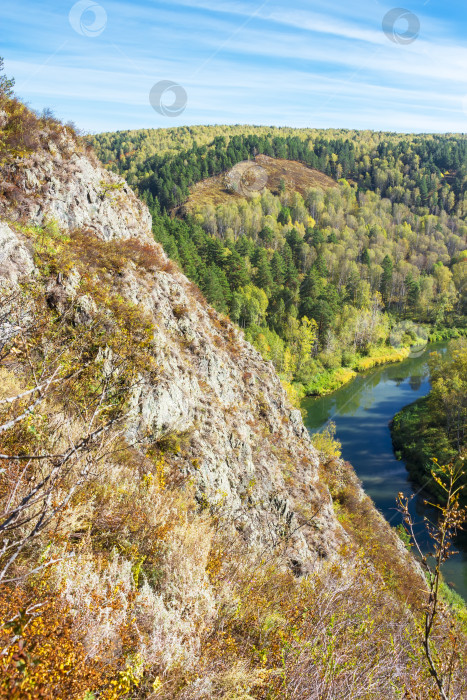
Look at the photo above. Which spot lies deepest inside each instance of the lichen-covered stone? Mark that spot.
(16, 258)
(65, 185)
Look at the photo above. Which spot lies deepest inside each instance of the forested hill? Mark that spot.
(422, 170)
(326, 279)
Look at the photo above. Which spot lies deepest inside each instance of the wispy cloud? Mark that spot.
(250, 62)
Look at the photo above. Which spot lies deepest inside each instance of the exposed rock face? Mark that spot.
(250, 447)
(65, 185)
(16, 259)
(245, 447)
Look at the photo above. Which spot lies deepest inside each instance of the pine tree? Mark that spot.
(277, 268)
(320, 266)
(386, 280)
(284, 217)
(213, 288)
(263, 277)
(266, 235)
(236, 271)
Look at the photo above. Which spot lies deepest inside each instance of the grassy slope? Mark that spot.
(296, 176)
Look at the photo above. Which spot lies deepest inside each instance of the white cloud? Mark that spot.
(331, 65)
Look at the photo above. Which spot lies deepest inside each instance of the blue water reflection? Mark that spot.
(362, 411)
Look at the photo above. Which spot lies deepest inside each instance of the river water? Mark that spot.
(362, 411)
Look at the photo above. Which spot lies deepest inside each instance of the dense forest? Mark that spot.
(423, 171)
(327, 282)
(435, 427)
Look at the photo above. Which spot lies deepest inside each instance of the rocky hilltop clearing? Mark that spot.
(168, 529)
(252, 177)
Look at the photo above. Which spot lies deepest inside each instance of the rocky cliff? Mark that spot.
(252, 451)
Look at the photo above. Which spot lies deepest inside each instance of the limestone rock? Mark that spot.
(65, 185)
(16, 258)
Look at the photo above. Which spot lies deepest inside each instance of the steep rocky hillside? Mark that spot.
(213, 387)
(169, 531)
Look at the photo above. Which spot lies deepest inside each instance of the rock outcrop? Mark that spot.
(16, 257)
(61, 182)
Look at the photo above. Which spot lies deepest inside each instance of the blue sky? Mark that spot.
(294, 63)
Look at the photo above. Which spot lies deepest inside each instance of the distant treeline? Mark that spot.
(422, 171)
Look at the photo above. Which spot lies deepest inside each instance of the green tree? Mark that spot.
(303, 340)
(236, 271)
(266, 235)
(6, 84)
(263, 276)
(284, 217)
(386, 280)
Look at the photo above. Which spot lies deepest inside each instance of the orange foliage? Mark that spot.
(42, 657)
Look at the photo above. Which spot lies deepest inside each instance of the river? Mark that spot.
(362, 411)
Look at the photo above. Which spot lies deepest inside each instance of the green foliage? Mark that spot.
(426, 172)
(260, 287)
(455, 602)
(6, 84)
(328, 381)
(434, 427)
(404, 536)
(325, 441)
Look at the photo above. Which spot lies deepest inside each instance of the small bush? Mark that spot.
(325, 441)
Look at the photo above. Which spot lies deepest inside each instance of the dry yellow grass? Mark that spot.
(297, 177)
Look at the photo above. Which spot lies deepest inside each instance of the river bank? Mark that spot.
(332, 379)
(433, 427)
(328, 381)
(362, 412)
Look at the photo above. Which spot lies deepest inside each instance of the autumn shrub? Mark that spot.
(179, 310)
(73, 383)
(43, 654)
(146, 567)
(380, 356)
(337, 633)
(325, 441)
(22, 134)
(325, 382)
(295, 393)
